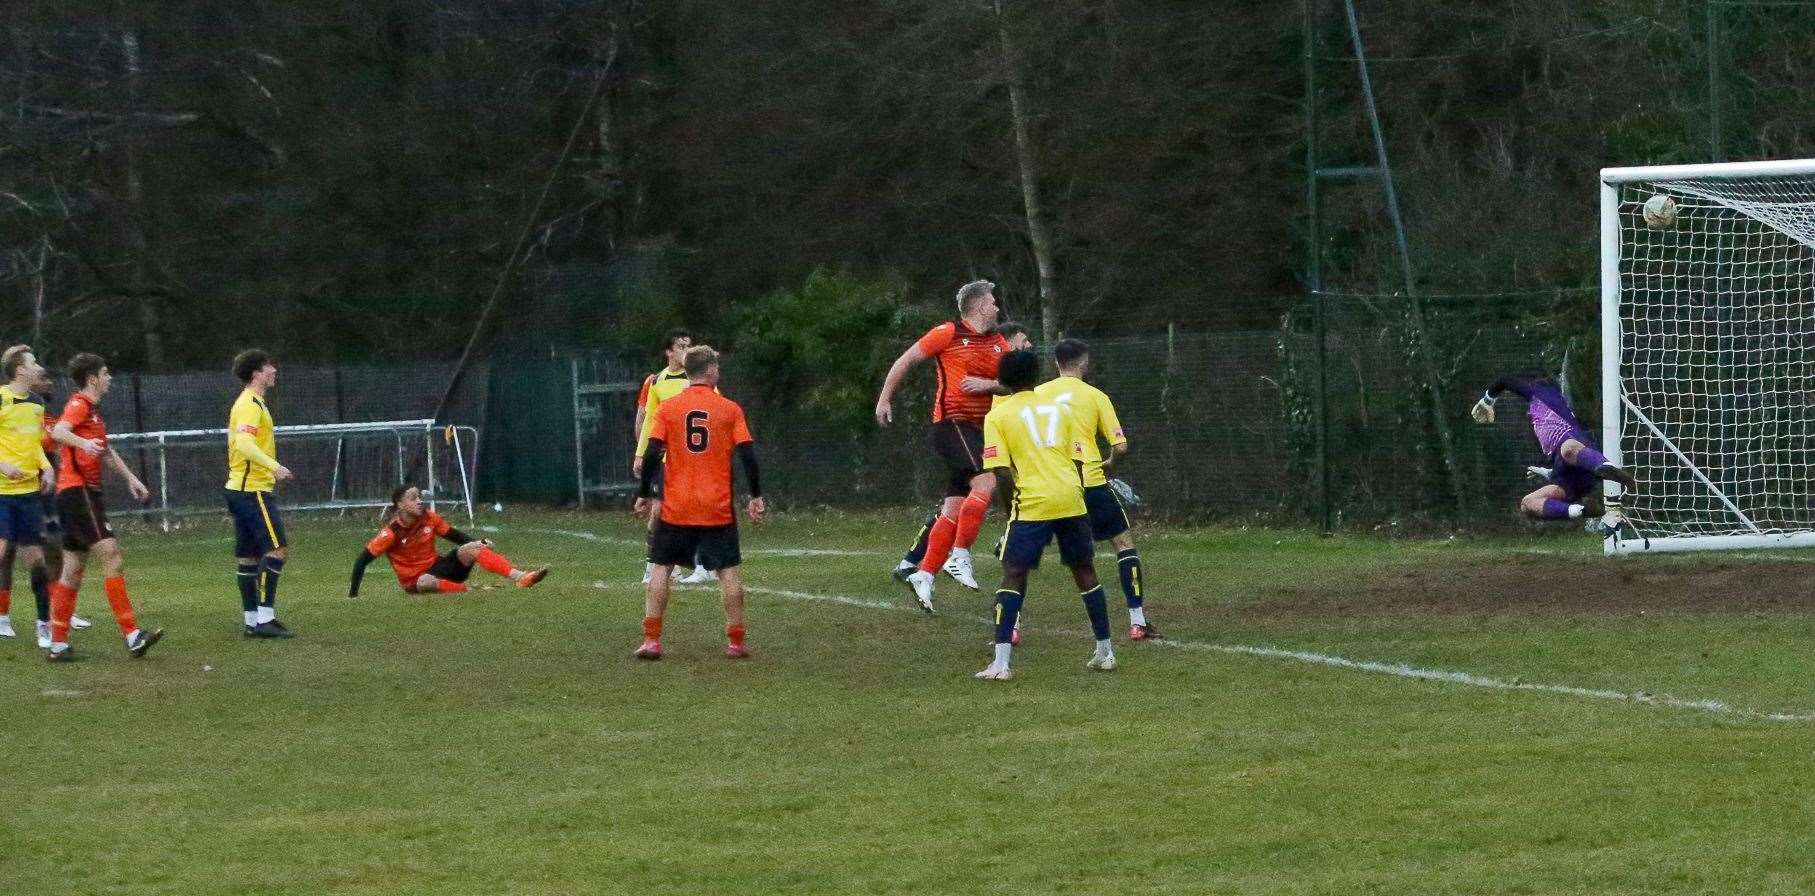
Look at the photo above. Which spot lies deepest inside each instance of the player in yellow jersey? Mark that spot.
(252, 475)
(25, 471)
(1098, 423)
(658, 387)
(1034, 447)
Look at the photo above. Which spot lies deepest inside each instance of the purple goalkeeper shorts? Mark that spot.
(1577, 483)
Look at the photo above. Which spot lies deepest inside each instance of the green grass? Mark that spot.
(504, 741)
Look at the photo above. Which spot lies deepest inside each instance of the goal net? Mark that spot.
(1708, 354)
(338, 466)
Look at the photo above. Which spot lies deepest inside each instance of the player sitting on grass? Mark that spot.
(1576, 465)
(408, 541)
(1033, 447)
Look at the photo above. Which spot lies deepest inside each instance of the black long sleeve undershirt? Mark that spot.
(359, 570)
(458, 537)
(747, 454)
(652, 467)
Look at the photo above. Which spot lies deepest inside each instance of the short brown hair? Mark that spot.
(85, 365)
(249, 362)
(13, 359)
(699, 359)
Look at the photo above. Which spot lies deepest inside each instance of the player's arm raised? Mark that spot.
(1483, 411)
(885, 411)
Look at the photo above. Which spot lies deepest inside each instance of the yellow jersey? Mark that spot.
(1041, 443)
(1096, 419)
(247, 471)
(659, 387)
(21, 441)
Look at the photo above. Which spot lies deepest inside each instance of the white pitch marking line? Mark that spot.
(629, 542)
(1372, 667)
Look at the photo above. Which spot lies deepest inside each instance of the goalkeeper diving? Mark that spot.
(1577, 466)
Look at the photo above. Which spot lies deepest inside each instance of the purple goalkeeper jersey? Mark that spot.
(1552, 421)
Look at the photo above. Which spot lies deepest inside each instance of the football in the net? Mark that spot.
(1660, 212)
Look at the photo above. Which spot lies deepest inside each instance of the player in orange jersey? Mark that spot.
(408, 540)
(692, 440)
(81, 438)
(965, 353)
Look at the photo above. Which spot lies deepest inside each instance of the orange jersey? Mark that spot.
(957, 352)
(75, 468)
(700, 431)
(410, 549)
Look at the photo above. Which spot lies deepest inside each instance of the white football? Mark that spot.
(1660, 211)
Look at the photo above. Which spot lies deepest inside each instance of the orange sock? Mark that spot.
(122, 608)
(939, 544)
(494, 562)
(6, 601)
(652, 628)
(446, 587)
(735, 634)
(62, 606)
(970, 520)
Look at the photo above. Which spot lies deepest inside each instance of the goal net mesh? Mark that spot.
(1717, 356)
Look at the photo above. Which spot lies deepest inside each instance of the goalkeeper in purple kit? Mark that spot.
(1576, 464)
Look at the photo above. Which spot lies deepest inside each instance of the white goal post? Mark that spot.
(1708, 355)
(338, 466)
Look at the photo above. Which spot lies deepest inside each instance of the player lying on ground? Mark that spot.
(1034, 447)
(81, 437)
(1576, 464)
(40, 578)
(958, 565)
(657, 388)
(408, 541)
(692, 440)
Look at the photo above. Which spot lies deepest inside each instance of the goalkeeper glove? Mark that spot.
(1538, 473)
(1483, 411)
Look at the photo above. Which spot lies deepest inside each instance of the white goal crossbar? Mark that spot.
(1708, 354)
(339, 466)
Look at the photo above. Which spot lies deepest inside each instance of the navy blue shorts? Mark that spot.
(1107, 518)
(258, 529)
(22, 519)
(1577, 483)
(1026, 541)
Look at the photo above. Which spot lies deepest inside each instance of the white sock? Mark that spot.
(251, 617)
(1137, 615)
(266, 614)
(1002, 652)
(130, 635)
(1575, 511)
(699, 570)
(1105, 648)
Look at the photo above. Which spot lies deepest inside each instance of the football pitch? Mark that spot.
(1328, 716)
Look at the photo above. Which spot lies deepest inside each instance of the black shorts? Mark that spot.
(258, 529)
(714, 547)
(448, 567)
(84, 518)
(22, 519)
(960, 446)
(1107, 517)
(1026, 541)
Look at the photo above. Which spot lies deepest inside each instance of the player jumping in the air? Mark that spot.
(408, 541)
(692, 440)
(1576, 464)
(1035, 446)
(965, 354)
(657, 388)
(81, 437)
(1015, 337)
(1097, 420)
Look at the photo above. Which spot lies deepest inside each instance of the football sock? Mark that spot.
(122, 608)
(1105, 647)
(446, 587)
(269, 569)
(1128, 566)
(1003, 651)
(41, 592)
(919, 549)
(1589, 459)
(1008, 609)
(62, 606)
(1137, 616)
(970, 519)
(1098, 611)
(6, 601)
(652, 628)
(735, 635)
(494, 562)
(248, 590)
(939, 544)
(1554, 510)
